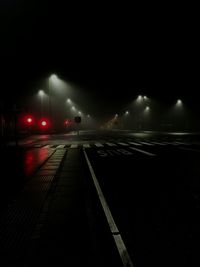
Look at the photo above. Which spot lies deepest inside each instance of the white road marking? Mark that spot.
(167, 143)
(182, 143)
(37, 146)
(47, 146)
(61, 146)
(171, 143)
(98, 145)
(126, 260)
(189, 149)
(142, 151)
(158, 143)
(110, 144)
(175, 143)
(135, 144)
(74, 146)
(145, 143)
(86, 145)
(122, 144)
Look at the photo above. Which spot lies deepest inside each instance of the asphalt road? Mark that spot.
(150, 183)
(153, 194)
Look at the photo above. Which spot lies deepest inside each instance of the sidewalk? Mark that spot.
(61, 236)
(47, 223)
(56, 221)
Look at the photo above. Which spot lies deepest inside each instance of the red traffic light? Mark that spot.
(28, 120)
(43, 123)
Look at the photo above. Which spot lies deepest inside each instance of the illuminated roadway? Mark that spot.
(147, 185)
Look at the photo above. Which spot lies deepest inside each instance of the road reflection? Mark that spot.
(33, 158)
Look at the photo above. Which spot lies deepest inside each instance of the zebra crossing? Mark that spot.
(114, 143)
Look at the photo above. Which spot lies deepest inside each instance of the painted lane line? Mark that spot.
(171, 143)
(189, 149)
(122, 144)
(135, 144)
(142, 151)
(61, 146)
(126, 260)
(145, 143)
(98, 145)
(74, 146)
(47, 146)
(86, 145)
(110, 144)
(175, 143)
(182, 143)
(158, 143)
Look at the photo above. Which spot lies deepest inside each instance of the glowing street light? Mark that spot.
(179, 103)
(69, 101)
(41, 95)
(52, 80)
(127, 113)
(53, 77)
(139, 98)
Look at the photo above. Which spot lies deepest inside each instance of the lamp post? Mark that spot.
(139, 102)
(179, 115)
(41, 95)
(52, 80)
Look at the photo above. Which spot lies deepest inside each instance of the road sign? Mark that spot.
(77, 119)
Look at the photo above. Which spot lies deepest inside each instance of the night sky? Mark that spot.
(113, 52)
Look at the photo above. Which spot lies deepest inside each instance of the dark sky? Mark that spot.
(113, 51)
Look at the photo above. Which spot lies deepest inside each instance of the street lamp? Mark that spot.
(52, 80)
(179, 103)
(41, 95)
(69, 101)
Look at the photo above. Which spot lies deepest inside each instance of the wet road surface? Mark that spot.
(151, 185)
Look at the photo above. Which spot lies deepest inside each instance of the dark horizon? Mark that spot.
(111, 58)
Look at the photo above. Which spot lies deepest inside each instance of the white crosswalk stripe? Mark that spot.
(98, 145)
(86, 145)
(74, 146)
(110, 144)
(122, 144)
(61, 146)
(175, 143)
(182, 143)
(148, 144)
(135, 144)
(142, 151)
(47, 146)
(166, 143)
(158, 143)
